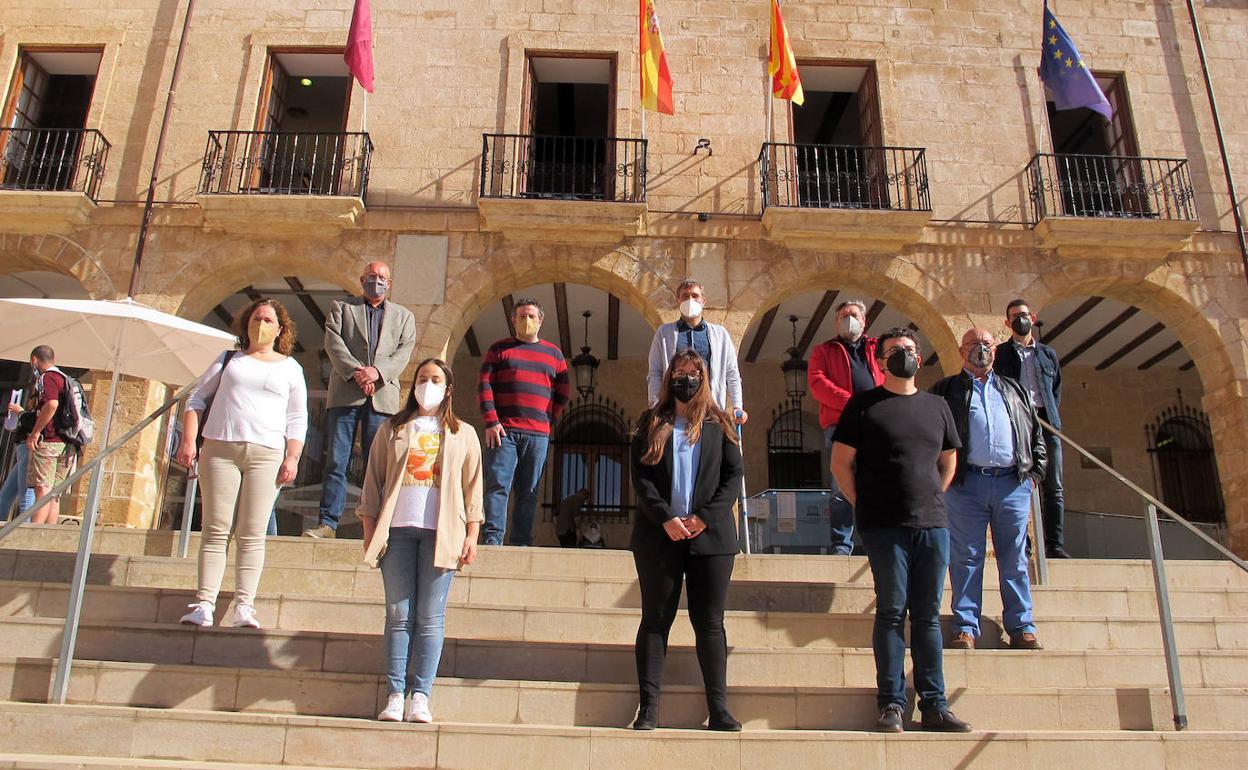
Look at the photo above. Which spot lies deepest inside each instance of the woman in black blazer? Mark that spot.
(686, 469)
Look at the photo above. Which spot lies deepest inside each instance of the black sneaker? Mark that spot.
(944, 722)
(891, 720)
(723, 722)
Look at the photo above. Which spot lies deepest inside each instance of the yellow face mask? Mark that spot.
(261, 333)
(527, 327)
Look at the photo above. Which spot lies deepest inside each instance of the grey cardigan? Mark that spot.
(346, 343)
(725, 375)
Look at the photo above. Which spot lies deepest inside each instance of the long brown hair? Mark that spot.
(446, 415)
(659, 420)
(285, 342)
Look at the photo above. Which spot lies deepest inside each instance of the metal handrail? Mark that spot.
(1157, 557)
(73, 612)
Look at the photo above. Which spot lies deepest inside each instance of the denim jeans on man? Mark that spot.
(518, 462)
(345, 423)
(416, 594)
(1004, 505)
(15, 488)
(840, 512)
(908, 566)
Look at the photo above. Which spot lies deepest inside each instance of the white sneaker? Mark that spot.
(418, 709)
(200, 615)
(393, 712)
(244, 617)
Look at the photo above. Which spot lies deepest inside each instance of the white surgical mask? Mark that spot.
(849, 328)
(430, 394)
(691, 308)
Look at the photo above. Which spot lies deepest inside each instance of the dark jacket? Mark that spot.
(1009, 363)
(1030, 454)
(716, 486)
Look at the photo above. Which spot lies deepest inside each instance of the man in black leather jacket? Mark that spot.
(1003, 454)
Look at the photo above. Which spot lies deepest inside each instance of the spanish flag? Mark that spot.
(656, 79)
(785, 82)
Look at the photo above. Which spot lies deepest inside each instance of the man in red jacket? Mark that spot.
(839, 368)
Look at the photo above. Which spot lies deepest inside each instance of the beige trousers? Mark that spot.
(235, 476)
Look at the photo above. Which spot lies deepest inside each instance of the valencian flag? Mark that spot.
(1064, 72)
(359, 52)
(785, 82)
(656, 79)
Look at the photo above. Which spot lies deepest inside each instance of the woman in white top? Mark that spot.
(257, 415)
(421, 510)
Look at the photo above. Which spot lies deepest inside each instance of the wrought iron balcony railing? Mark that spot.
(563, 168)
(53, 159)
(829, 176)
(286, 163)
(1110, 186)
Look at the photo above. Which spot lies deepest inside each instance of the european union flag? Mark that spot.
(1064, 72)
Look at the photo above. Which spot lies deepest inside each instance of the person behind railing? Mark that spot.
(16, 488)
(369, 341)
(712, 343)
(421, 510)
(1003, 454)
(256, 402)
(1035, 366)
(686, 471)
(893, 456)
(52, 458)
(839, 368)
(566, 512)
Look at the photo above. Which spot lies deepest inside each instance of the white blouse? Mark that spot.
(258, 402)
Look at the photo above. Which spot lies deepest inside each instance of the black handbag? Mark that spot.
(25, 424)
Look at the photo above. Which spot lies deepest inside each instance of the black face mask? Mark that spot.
(902, 363)
(1021, 325)
(685, 388)
(981, 356)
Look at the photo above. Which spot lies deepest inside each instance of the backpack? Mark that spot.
(73, 419)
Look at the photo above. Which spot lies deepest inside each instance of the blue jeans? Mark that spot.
(840, 512)
(15, 488)
(416, 594)
(908, 566)
(519, 461)
(1003, 504)
(344, 425)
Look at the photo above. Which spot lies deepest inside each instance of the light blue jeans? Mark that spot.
(15, 488)
(1004, 505)
(416, 594)
(518, 462)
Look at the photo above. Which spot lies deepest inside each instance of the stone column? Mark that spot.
(1227, 408)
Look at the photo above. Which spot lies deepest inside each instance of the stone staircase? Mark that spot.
(538, 667)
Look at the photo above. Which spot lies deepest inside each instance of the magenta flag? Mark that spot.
(359, 52)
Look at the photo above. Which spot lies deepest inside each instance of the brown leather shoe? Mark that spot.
(963, 641)
(1025, 641)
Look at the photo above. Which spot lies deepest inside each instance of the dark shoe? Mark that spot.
(1025, 641)
(647, 718)
(944, 722)
(842, 552)
(963, 641)
(891, 720)
(722, 721)
(324, 532)
(1057, 552)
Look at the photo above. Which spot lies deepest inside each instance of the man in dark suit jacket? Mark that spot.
(1035, 366)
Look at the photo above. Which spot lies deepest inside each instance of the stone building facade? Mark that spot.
(956, 78)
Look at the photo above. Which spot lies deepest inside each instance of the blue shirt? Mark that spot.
(696, 337)
(989, 436)
(685, 458)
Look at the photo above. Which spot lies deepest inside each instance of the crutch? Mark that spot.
(745, 503)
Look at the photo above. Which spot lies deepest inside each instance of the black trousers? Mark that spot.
(1052, 499)
(661, 576)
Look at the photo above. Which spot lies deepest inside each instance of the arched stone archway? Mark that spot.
(59, 254)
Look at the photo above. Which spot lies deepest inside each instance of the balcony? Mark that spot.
(284, 182)
(50, 177)
(844, 197)
(563, 187)
(1111, 205)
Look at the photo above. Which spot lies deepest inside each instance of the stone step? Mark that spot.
(564, 590)
(499, 560)
(79, 762)
(209, 736)
(566, 661)
(362, 696)
(612, 625)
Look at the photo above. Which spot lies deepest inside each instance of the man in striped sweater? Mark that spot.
(522, 390)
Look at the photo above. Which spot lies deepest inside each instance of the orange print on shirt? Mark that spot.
(423, 461)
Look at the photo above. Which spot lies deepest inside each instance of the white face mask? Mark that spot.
(430, 394)
(691, 308)
(849, 327)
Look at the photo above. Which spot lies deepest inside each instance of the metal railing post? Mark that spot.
(73, 610)
(188, 510)
(1167, 621)
(1037, 542)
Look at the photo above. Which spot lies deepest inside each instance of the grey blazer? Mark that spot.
(346, 343)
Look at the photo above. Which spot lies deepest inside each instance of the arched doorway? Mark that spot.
(794, 448)
(589, 450)
(1181, 444)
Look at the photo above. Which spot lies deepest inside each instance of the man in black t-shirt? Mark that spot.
(894, 454)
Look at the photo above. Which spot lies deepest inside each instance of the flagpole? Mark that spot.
(364, 128)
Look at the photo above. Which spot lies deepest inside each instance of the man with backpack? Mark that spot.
(52, 456)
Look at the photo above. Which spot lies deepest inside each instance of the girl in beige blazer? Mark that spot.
(421, 511)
